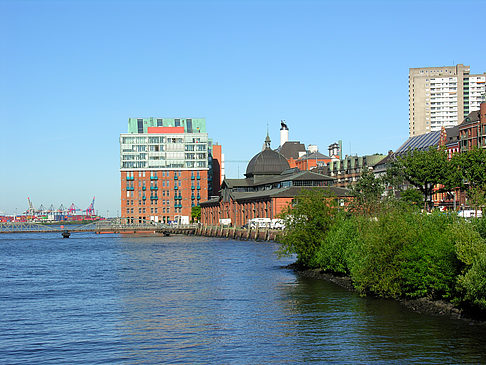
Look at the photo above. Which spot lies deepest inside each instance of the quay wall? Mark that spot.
(255, 234)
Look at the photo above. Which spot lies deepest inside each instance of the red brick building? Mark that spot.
(270, 186)
(167, 167)
(472, 131)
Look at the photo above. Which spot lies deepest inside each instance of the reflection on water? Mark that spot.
(133, 299)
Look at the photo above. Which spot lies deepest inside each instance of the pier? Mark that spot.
(118, 226)
(99, 227)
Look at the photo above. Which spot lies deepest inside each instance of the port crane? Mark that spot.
(91, 210)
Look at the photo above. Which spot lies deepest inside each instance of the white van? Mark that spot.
(469, 213)
(260, 223)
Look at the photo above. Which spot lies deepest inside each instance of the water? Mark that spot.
(100, 299)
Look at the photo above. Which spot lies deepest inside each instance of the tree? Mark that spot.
(425, 169)
(412, 196)
(196, 213)
(394, 178)
(367, 191)
(471, 167)
(307, 222)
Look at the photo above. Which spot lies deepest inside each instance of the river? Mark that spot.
(100, 299)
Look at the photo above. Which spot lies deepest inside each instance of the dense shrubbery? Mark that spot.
(395, 252)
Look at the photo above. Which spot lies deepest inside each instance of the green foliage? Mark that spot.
(480, 226)
(412, 197)
(468, 241)
(470, 165)
(395, 176)
(428, 262)
(367, 191)
(333, 253)
(471, 251)
(476, 197)
(424, 169)
(195, 213)
(397, 252)
(306, 225)
(473, 283)
(374, 260)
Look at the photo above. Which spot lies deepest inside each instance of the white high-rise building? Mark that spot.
(442, 96)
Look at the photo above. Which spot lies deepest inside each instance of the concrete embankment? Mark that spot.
(256, 234)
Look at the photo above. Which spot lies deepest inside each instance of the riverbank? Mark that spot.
(421, 305)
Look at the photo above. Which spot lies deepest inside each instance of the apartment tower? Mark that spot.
(166, 169)
(442, 96)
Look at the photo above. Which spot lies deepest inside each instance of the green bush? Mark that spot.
(333, 253)
(306, 225)
(480, 226)
(428, 262)
(398, 252)
(374, 258)
(471, 251)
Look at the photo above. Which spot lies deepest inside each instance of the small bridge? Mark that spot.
(115, 225)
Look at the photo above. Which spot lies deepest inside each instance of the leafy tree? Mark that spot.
(425, 169)
(367, 191)
(307, 222)
(412, 196)
(196, 213)
(395, 177)
(476, 197)
(471, 166)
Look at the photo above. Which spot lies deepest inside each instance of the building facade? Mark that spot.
(348, 170)
(442, 97)
(472, 131)
(269, 187)
(166, 169)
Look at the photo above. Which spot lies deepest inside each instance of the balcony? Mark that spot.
(144, 197)
(130, 188)
(130, 178)
(154, 178)
(144, 188)
(154, 197)
(176, 177)
(192, 188)
(198, 177)
(178, 197)
(192, 197)
(176, 187)
(154, 188)
(192, 177)
(198, 188)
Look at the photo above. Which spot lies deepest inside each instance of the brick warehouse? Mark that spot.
(167, 167)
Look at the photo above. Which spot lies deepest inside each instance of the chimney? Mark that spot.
(284, 133)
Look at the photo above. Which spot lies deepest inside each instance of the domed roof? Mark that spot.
(267, 162)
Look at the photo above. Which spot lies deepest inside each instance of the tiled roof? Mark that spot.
(289, 192)
(471, 118)
(291, 149)
(313, 156)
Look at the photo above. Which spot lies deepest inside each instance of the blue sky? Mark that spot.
(73, 72)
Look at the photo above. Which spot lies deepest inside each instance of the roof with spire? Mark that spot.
(267, 162)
